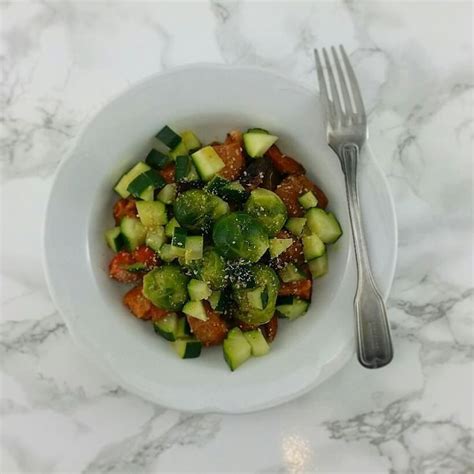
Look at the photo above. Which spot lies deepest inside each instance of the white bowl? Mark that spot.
(211, 100)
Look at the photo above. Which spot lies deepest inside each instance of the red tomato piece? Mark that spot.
(211, 332)
(294, 253)
(124, 207)
(270, 329)
(284, 163)
(137, 303)
(168, 173)
(292, 187)
(301, 288)
(233, 158)
(118, 268)
(146, 255)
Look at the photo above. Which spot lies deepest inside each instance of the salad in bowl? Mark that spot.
(219, 241)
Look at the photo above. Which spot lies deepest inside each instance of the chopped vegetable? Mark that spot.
(166, 287)
(268, 208)
(203, 229)
(239, 235)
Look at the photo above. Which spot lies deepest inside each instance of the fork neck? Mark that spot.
(348, 155)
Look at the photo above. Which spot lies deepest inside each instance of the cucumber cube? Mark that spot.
(207, 162)
(296, 225)
(195, 309)
(169, 228)
(169, 137)
(319, 266)
(122, 186)
(258, 343)
(237, 349)
(188, 348)
(257, 143)
(114, 239)
(152, 213)
(167, 327)
(308, 200)
(190, 140)
(168, 194)
(198, 290)
(278, 246)
(313, 247)
(194, 246)
(324, 224)
(155, 238)
(156, 159)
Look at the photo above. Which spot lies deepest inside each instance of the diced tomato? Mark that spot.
(124, 207)
(118, 265)
(233, 158)
(294, 253)
(211, 332)
(284, 163)
(292, 187)
(146, 255)
(270, 329)
(234, 136)
(301, 288)
(168, 173)
(137, 303)
(156, 314)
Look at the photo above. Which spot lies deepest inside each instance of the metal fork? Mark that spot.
(346, 129)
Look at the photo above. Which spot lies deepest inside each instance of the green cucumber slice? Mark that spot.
(194, 246)
(169, 137)
(133, 232)
(257, 143)
(308, 200)
(190, 140)
(296, 225)
(144, 181)
(324, 224)
(122, 186)
(258, 343)
(155, 238)
(293, 310)
(168, 194)
(188, 348)
(198, 290)
(167, 327)
(114, 239)
(237, 349)
(278, 246)
(152, 213)
(313, 247)
(156, 159)
(291, 273)
(169, 228)
(180, 150)
(195, 309)
(207, 162)
(319, 266)
(179, 237)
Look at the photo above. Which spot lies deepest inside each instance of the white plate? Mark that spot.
(211, 100)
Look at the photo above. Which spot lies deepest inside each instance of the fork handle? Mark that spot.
(374, 345)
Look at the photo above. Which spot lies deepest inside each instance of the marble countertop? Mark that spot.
(62, 60)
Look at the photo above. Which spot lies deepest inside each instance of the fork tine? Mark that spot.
(346, 98)
(323, 92)
(359, 104)
(333, 87)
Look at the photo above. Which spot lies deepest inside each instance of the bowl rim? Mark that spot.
(329, 369)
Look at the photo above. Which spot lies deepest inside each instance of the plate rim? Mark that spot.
(327, 370)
